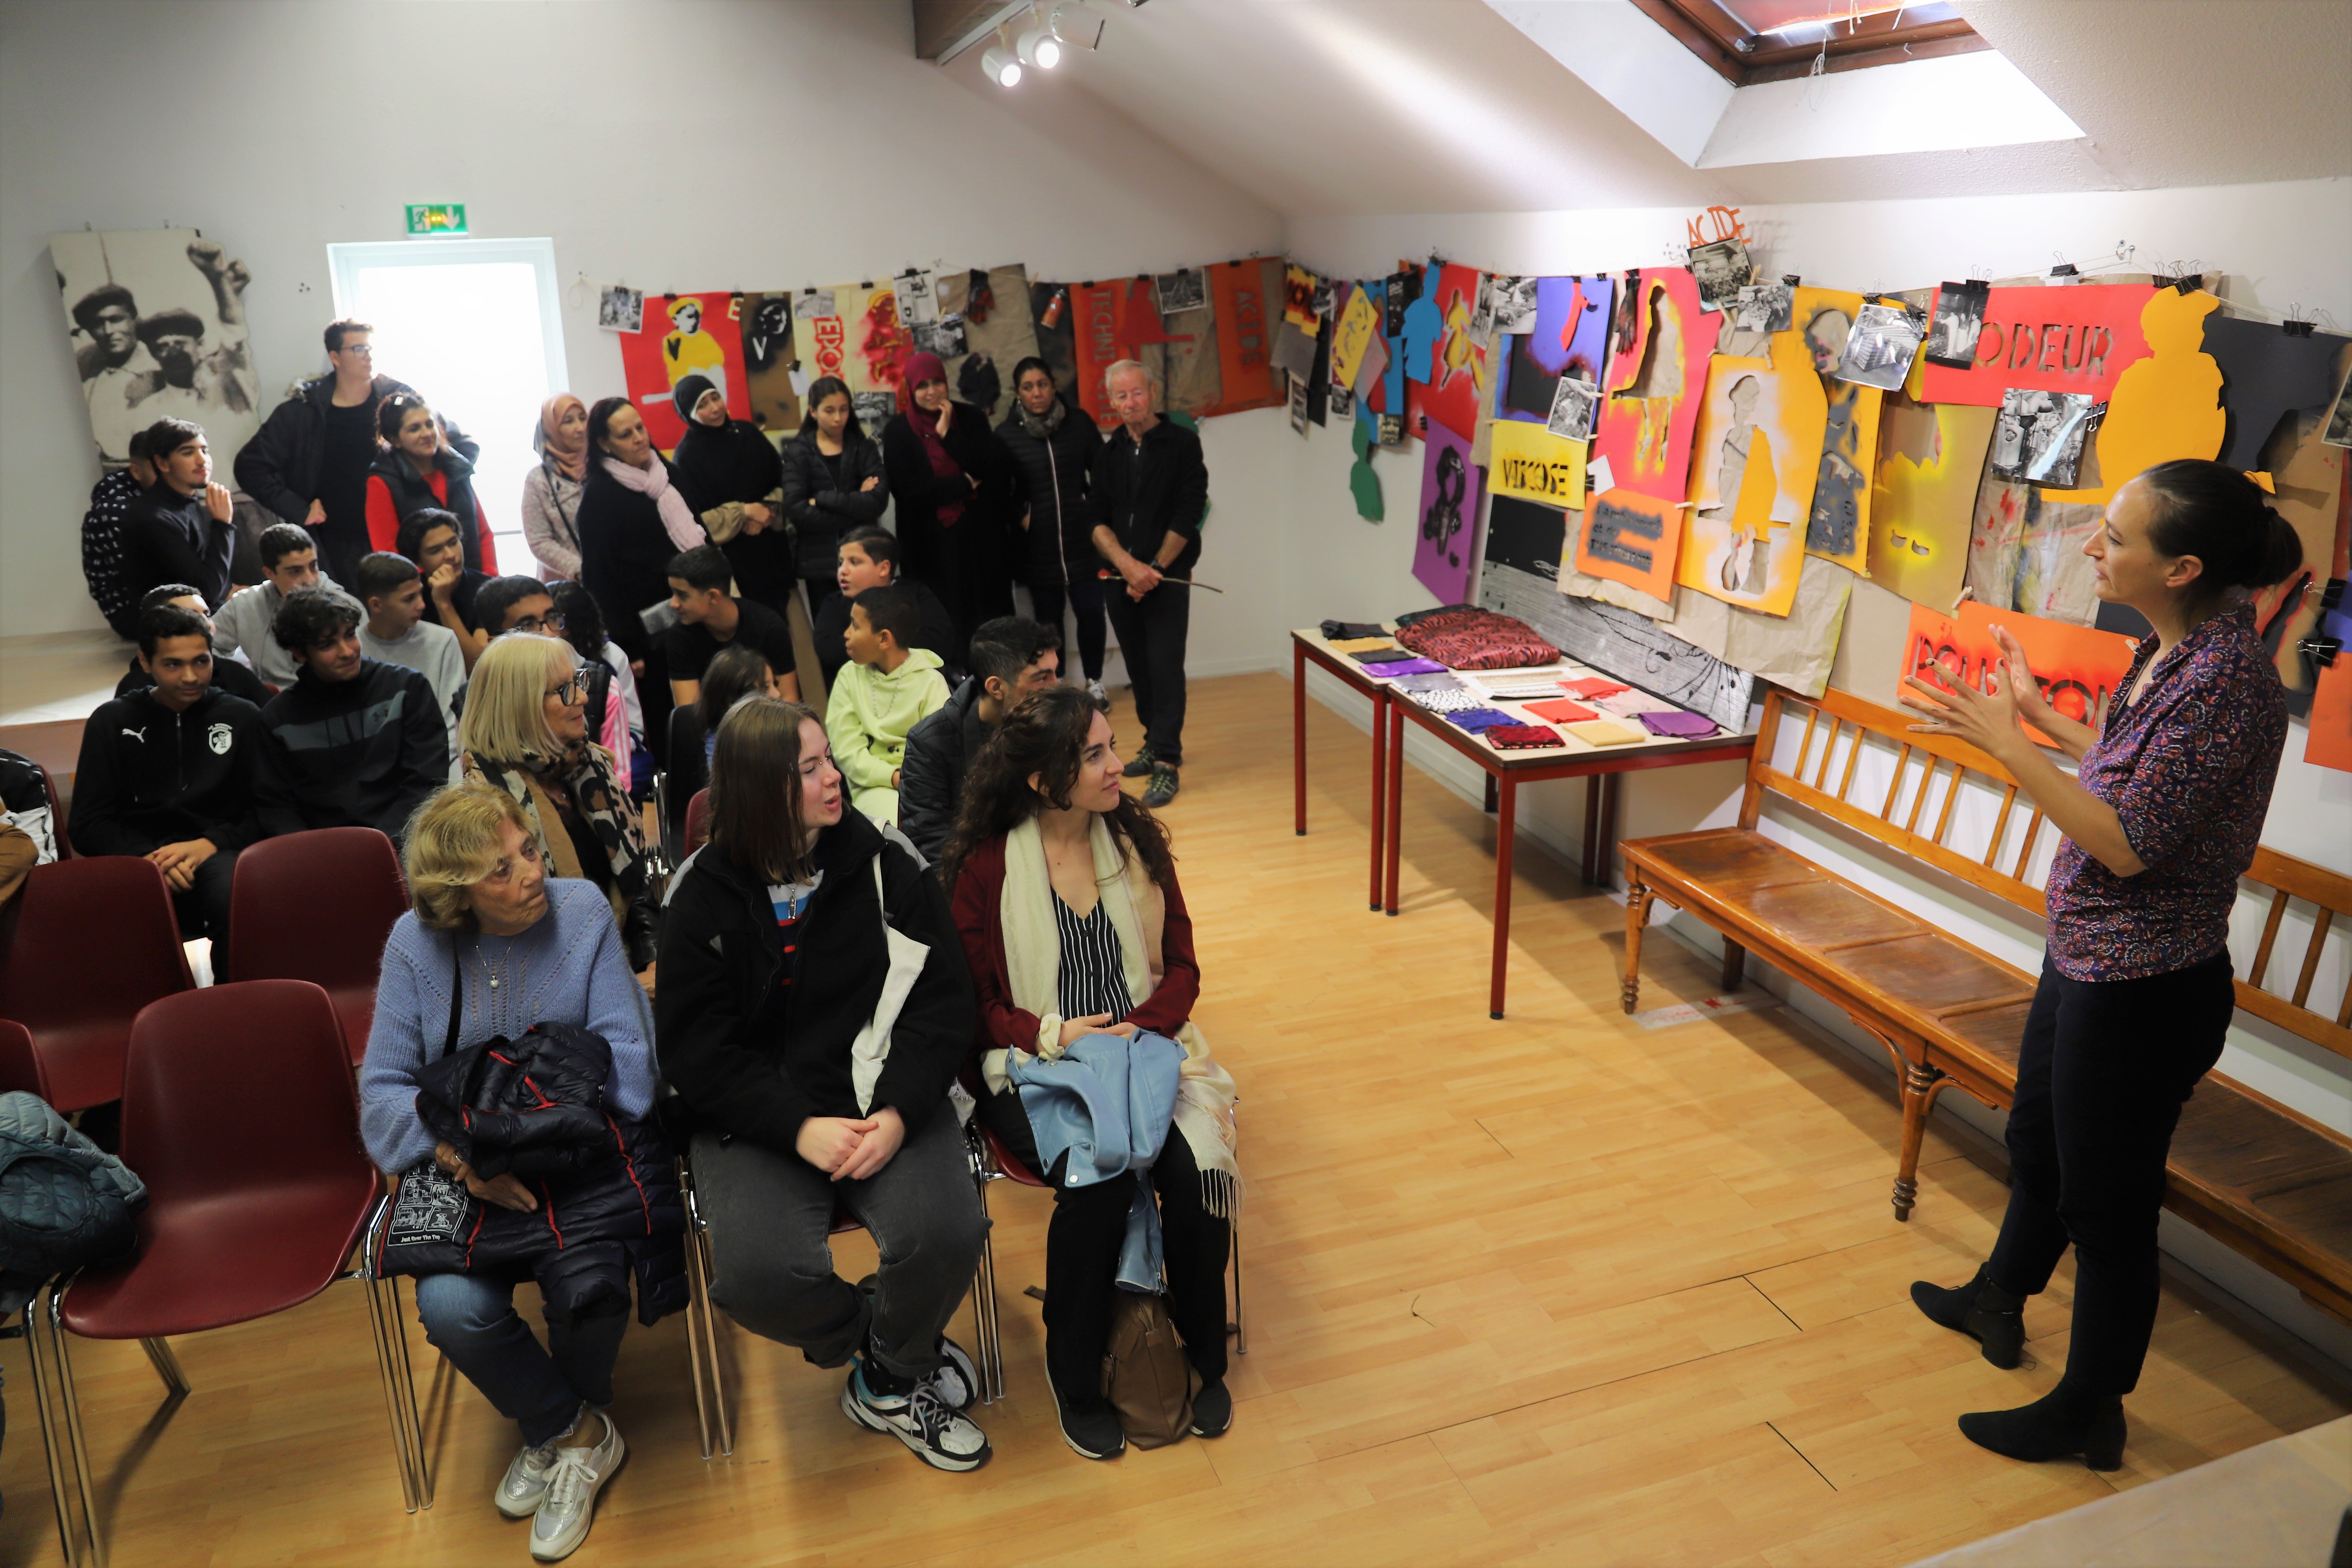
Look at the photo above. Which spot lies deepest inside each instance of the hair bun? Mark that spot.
(2276, 557)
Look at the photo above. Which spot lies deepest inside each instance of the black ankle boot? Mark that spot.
(1980, 1309)
(2065, 1422)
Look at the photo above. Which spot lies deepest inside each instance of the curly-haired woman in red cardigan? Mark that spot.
(1066, 895)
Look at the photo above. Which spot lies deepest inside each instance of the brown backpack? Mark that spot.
(1145, 1375)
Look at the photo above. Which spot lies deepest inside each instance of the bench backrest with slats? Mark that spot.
(1821, 777)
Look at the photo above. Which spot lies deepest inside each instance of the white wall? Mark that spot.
(691, 143)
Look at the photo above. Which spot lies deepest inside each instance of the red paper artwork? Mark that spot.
(1243, 299)
(2076, 339)
(1657, 373)
(2077, 669)
(685, 334)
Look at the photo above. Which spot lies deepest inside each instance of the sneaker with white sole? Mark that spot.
(958, 1379)
(1094, 690)
(573, 1482)
(524, 1485)
(940, 1435)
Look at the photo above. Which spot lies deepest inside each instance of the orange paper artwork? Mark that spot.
(1657, 368)
(2164, 406)
(1755, 459)
(2077, 669)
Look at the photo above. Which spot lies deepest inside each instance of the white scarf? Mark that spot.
(678, 518)
(1033, 961)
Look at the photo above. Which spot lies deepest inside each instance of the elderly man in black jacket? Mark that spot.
(1150, 491)
(1012, 657)
(352, 743)
(309, 462)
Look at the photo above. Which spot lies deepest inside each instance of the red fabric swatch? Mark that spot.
(1591, 687)
(1563, 711)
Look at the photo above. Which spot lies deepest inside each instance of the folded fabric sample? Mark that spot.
(1601, 732)
(1592, 687)
(1686, 725)
(1476, 720)
(1337, 629)
(1387, 668)
(1391, 653)
(1560, 711)
(1522, 737)
(1435, 681)
(1447, 701)
(1523, 693)
(1631, 704)
(1470, 638)
(1362, 645)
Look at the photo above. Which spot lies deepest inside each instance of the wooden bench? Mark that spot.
(2257, 1175)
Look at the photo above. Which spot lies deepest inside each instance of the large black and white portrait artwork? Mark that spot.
(156, 320)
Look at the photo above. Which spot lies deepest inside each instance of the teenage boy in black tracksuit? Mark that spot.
(352, 743)
(168, 772)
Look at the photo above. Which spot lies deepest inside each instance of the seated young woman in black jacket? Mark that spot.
(813, 1011)
(833, 483)
(952, 480)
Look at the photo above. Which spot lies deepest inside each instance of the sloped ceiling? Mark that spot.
(1439, 105)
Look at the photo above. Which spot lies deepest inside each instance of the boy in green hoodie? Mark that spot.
(888, 690)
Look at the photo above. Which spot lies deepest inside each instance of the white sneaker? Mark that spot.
(1094, 690)
(958, 1379)
(939, 1437)
(572, 1483)
(524, 1485)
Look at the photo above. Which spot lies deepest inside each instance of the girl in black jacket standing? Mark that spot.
(953, 483)
(833, 483)
(632, 520)
(1053, 449)
(786, 941)
(730, 475)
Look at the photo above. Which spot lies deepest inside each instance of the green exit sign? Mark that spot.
(438, 217)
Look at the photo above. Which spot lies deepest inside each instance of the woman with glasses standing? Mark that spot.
(525, 732)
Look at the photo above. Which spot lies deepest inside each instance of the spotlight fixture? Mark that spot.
(1039, 47)
(1002, 68)
(1077, 27)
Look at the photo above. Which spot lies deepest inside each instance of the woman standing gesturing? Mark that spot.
(2136, 994)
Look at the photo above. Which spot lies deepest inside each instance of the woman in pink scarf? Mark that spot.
(953, 483)
(632, 520)
(550, 492)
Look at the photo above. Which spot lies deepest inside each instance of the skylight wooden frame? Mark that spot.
(1745, 59)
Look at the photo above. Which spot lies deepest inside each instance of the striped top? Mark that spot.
(1093, 971)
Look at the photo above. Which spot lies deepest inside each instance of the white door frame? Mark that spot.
(346, 261)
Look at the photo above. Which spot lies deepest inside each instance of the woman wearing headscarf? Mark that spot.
(632, 520)
(730, 473)
(1055, 449)
(550, 492)
(833, 484)
(953, 480)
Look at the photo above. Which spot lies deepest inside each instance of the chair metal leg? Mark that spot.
(402, 1456)
(703, 1347)
(984, 1309)
(167, 1366)
(406, 1371)
(75, 1440)
(694, 1352)
(56, 1460)
(1240, 1301)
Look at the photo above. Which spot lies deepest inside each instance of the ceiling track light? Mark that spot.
(1002, 68)
(1040, 49)
(1073, 25)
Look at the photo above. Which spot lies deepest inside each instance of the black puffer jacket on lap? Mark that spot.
(607, 1189)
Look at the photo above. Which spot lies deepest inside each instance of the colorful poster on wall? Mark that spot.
(1243, 296)
(2047, 340)
(1096, 311)
(685, 334)
(879, 342)
(2164, 406)
(1569, 337)
(1457, 363)
(1931, 458)
(990, 309)
(156, 320)
(1838, 526)
(1659, 351)
(2078, 670)
(1758, 451)
(768, 354)
(1185, 363)
(2268, 376)
(1627, 537)
(1445, 545)
(1298, 298)
(1359, 320)
(2025, 552)
(2307, 480)
(1529, 461)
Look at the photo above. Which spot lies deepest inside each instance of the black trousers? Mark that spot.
(1085, 596)
(2105, 1069)
(1152, 632)
(971, 571)
(203, 907)
(341, 545)
(1082, 1247)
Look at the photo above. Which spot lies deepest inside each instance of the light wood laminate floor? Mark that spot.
(1556, 1289)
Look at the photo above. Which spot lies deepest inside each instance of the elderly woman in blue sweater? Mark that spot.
(492, 947)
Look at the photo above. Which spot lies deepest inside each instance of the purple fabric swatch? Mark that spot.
(1404, 666)
(1382, 656)
(1477, 720)
(1682, 725)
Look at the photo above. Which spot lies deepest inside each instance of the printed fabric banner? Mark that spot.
(685, 334)
(2077, 669)
(1185, 364)
(998, 334)
(1243, 296)
(1096, 310)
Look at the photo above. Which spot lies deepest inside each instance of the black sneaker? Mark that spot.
(1091, 1428)
(1163, 786)
(938, 1435)
(957, 1381)
(1212, 1410)
(1141, 766)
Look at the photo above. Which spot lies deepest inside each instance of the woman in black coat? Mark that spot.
(632, 520)
(833, 483)
(953, 480)
(732, 478)
(1053, 445)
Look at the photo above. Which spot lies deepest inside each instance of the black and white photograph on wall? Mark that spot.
(1183, 290)
(1298, 405)
(1320, 299)
(874, 410)
(1880, 347)
(1342, 401)
(621, 309)
(943, 337)
(2039, 436)
(156, 320)
(1722, 269)
(1392, 430)
(1765, 308)
(1515, 305)
(1960, 317)
(917, 304)
(1575, 406)
(2339, 423)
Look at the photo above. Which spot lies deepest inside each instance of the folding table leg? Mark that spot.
(1380, 788)
(1506, 822)
(1298, 731)
(1396, 799)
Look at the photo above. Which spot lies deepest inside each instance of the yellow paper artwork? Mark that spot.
(1753, 465)
(1839, 528)
(2164, 406)
(1527, 461)
(1357, 325)
(1922, 497)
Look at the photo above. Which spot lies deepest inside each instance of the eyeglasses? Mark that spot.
(362, 350)
(572, 690)
(550, 622)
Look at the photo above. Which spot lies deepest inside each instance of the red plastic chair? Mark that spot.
(236, 1226)
(319, 906)
(20, 1064)
(698, 822)
(94, 941)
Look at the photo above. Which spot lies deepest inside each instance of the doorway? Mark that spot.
(474, 326)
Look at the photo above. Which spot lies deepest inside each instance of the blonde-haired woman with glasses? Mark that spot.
(525, 733)
(490, 947)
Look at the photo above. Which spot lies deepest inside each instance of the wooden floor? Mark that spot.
(1554, 1288)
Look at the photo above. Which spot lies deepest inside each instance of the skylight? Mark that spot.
(1748, 42)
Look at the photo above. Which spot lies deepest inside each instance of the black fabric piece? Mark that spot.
(1348, 631)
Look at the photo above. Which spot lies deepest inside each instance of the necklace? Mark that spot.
(505, 969)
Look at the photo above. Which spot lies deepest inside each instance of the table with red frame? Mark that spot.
(1599, 766)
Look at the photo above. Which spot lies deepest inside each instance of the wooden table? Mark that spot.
(1505, 771)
